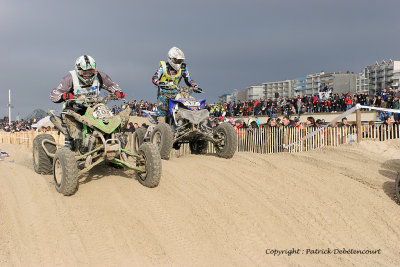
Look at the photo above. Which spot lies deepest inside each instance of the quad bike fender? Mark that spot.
(194, 116)
(58, 123)
(113, 124)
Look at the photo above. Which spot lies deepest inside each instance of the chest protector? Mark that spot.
(165, 77)
(93, 90)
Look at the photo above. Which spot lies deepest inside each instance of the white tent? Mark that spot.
(42, 122)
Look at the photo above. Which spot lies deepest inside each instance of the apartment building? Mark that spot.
(378, 76)
(312, 83)
(255, 92)
(279, 89)
(226, 98)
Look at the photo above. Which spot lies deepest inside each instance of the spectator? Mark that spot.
(287, 122)
(349, 101)
(396, 105)
(298, 124)
(130, 127)
(272, 123)
(344, 123)
(310, 122)
(383, 115)
(253, 125)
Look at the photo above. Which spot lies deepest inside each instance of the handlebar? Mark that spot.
(170, 86)
(87, 101)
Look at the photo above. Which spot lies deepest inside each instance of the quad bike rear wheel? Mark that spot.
(42, 163)
(162, 137)
(65, 172)
(151, 163)
(227, 146)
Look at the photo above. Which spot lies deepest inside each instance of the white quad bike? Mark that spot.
(186, 122)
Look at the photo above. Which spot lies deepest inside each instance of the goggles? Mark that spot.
(87, 73)
(177, 61)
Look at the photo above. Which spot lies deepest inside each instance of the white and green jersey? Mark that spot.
(92, 91)
(72, 84)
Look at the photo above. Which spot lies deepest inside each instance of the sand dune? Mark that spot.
(208, 211)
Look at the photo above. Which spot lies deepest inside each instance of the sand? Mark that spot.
(208, 211)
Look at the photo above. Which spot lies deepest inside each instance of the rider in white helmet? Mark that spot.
(83, 80)
(171, 73)
(176, 57)
(85, 68)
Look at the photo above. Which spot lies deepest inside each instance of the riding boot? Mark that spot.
(68, 141)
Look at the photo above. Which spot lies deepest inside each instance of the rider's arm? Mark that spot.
(62, 90)
(108, 84)
(186, 76)
(111, 86)
(157, 76)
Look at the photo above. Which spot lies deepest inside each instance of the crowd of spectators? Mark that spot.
(254, 123)
(307, 104)
(289, 107)
(17, 126)
(23, 125)
(136, 106)
(295, 107)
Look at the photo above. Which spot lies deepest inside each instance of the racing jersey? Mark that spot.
(66, 86)
(171, 71)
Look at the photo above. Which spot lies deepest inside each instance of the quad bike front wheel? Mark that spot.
(42, 163)
(227, 144)
(397, 188)
(65, 171)
(162, 137)
(150, 162)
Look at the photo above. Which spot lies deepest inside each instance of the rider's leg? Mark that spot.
(68, 141)
(73, 129)
(162, 106)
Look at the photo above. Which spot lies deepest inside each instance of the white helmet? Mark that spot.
(85, 67)
(175, 58)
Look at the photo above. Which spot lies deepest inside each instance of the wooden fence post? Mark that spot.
(285, 139)
(358, 123)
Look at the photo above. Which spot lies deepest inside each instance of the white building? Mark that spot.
(241, 95)
(255, 92)
(279, 89)
(226, 98)
(339, 83)
(310, 84)
(379, 76)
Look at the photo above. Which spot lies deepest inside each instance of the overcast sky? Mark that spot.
(228, 44)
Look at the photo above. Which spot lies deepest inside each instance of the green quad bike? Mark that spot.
(98, 136)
